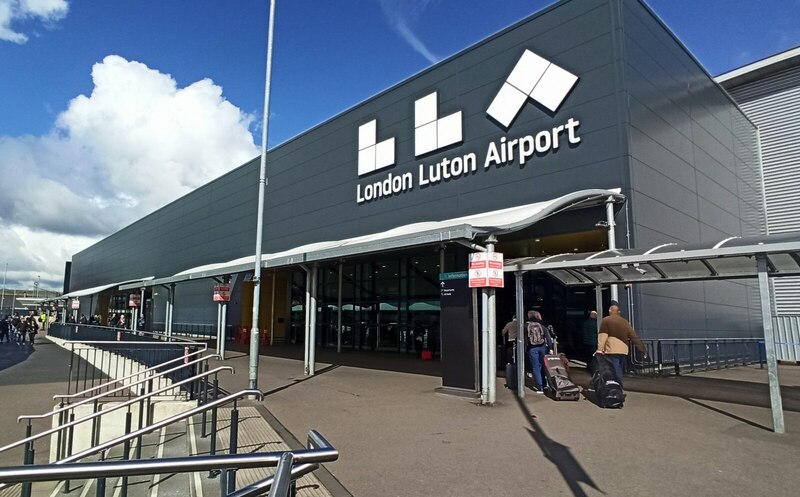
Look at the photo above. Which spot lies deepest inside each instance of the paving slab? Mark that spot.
(705, 434)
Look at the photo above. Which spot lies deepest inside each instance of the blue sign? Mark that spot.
(460, 275)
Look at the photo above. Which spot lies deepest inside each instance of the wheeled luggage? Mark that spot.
(604, 381)
(561, 387)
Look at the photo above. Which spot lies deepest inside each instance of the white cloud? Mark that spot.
(402, 14)
(136, 143)
(12, 11)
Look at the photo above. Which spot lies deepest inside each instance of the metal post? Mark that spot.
(339, 310)
(272, 310)
(612, 238)
(141, 307)
(231, 477)
(306, 368)
(28, 459)
(262, 184)
(598, 302)
(171, 307)
(126, 448)
(492, 335)
(3, 297)
(219, 325)
(520, 336)
(484, 346)
(224, 331)
(312, 346)
(214, 419)
(769, 346)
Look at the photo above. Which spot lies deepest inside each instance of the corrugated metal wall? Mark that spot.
(773, 103)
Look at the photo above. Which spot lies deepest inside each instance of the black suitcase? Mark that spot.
(604, 381)
(561, 387)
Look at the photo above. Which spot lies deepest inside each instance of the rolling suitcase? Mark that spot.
(561, 387)
(608, 391)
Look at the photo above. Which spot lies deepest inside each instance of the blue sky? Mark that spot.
(329, 55)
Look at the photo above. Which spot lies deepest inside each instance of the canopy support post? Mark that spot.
(598, 302)
(484, 346)
(307, 339)
(769, 345)
(520, 336)
(312, 346)
(612, 239)
(339, 311)
(492, 336)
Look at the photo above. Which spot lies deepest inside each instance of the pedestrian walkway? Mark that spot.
(705, 434)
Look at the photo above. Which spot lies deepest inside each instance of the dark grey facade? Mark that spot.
(652, 122)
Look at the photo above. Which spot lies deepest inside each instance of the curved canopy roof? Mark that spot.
(425, 233)
(730, 258)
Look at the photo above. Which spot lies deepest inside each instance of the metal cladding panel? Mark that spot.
(694, 176)
(773, 102)
(314, 179)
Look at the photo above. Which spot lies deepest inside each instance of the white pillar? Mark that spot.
(312, 346)
(224, 330)
(492, 336)
(339, 311)
(306, 368)
(219, 325)
(484, 346)
(598, 302)
(769, 346)
(272, 311)
(612, 239)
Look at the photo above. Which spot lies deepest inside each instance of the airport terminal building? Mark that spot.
(585, 127)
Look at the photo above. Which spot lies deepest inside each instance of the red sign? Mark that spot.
(486, 270)
(222, 293)
(76, 304)
(134, 299)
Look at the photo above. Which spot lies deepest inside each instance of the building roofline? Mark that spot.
(760, 68)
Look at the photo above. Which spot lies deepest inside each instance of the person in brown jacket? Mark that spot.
(612, 341)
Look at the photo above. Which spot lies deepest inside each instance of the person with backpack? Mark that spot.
(540, 343)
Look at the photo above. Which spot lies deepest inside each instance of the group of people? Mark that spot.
(16, 328)
(611, 341)
(540, 340)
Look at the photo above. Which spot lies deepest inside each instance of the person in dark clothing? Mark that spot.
(540, 343)
(5, 327)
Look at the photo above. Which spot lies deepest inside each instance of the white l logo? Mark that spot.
(430, 132)
(533, 77)
(373, 155)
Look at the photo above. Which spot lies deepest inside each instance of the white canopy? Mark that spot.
(409, 235)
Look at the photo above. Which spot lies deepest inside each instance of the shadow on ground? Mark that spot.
(560, 455)
(12, 353)
(384, 361)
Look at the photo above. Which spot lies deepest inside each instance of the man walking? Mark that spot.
(541, 343)
(615, 332)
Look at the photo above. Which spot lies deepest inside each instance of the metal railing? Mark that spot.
(104, 352)
(290, 466)
(65, 429)
(677, 355)
(151, 372)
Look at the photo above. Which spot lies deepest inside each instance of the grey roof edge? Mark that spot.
(760, 69)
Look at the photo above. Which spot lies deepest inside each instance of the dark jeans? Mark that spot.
(618, 360)
(537, 362)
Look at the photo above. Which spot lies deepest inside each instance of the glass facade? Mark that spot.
(390, 303)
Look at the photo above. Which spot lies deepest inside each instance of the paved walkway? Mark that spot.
(704, 434)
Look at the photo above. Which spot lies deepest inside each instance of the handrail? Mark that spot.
(118, 406)
(126, 330)
(111, 382)
(136, 467)
(105, 394)
(164, 422)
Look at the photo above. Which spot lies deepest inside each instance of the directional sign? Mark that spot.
(486, 269)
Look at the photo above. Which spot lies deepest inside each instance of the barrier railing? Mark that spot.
(290, 466)
(677, 355)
